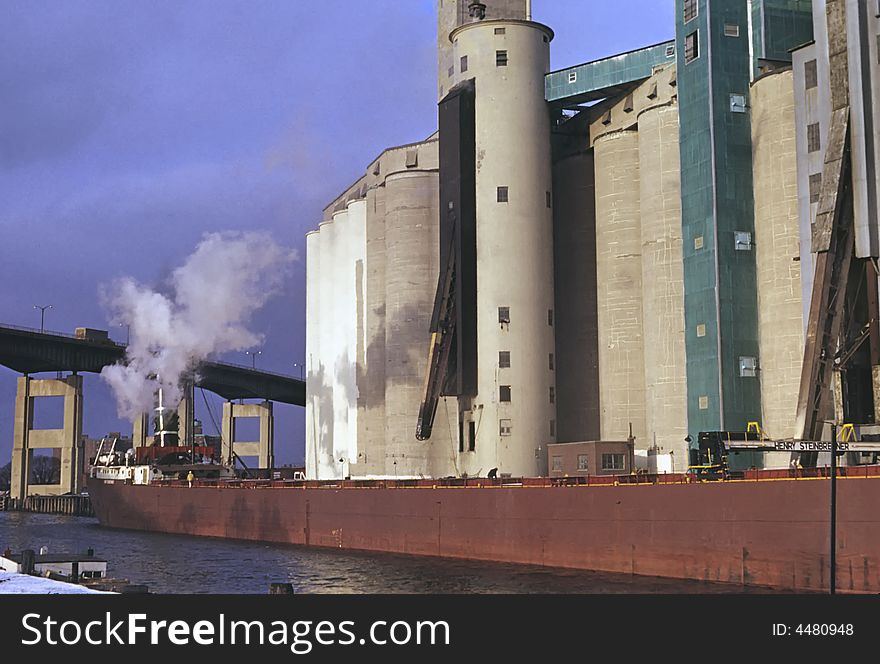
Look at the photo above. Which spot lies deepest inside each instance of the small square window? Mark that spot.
(505, 427)
(731, 30)
(500, 31)
(552, 395)
(748, 367)
(556, 464)
(742, 240)
(690, 10)
(583, 462)
(813, 139)
(572, 77)
(737, 103)
(500, 58)
(503, 196)
(815, 187)
(698, 243)
(504, 359)
(549, 199)
(504, 393)
(811, 74)
(451, 72)
(464, 64)
(550, 317)
(503, 314)
(692, 46)
(552, 428)
(704, 403)
(670, 50)
(551, 361)
(701, 329)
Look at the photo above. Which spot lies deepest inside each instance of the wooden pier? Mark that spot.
(75, 505)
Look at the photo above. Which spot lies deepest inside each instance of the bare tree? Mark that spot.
(45, 470)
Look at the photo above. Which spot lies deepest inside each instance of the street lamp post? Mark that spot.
(253, 355)
(42, 308)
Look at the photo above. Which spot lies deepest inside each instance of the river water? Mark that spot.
(183, 564)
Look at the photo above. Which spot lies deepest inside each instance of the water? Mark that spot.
(183, 564)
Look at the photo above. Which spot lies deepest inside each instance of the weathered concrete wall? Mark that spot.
(780, 317)
(619, 278)
(663, 282)
(412, 253)
(264, 447)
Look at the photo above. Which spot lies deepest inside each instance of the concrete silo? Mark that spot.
(410, 283)
(777, 247)
(619, 281)
(509, 419)
(662, 281)
(314, 372)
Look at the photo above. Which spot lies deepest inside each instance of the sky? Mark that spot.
(130, 128)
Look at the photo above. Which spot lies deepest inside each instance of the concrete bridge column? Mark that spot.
(26, 439)
(264, 448)
(140, 431)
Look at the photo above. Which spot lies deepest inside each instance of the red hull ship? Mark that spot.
(769, 529)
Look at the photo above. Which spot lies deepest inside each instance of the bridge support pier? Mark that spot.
(140, 431)
(26, 439)
(264, 448)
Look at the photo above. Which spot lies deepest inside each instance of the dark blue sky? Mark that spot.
(130, 128)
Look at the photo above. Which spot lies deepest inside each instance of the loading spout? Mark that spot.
(442, 336)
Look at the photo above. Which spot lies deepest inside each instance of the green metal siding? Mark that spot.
(716, 186)
(780, 25)
(595, 77)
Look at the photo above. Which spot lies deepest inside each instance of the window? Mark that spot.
(572, 77)
(703, 403)
(737, 103)
(504, 393)
(811, 75)
(500, 31)
(549, 199)
(551, 361)
(451, 72)
(815, 187)
(583, 462)
(550, 317)
(472, 436)
(552, 395)
(463, 64)
(748, 367)
(731, 30)
(698, 243)
(742, 240)
(504, 359)
(670, 50)
(557, 464)
(692, 47)
(500, 58)
(701, 329)
(460, 436)
(503, 314)
(813, 139)
(690, 10)
(504, 427)
(612, 462)
(503, 195)
(552, 428)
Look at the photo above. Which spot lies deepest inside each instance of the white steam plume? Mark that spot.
(214, 293)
